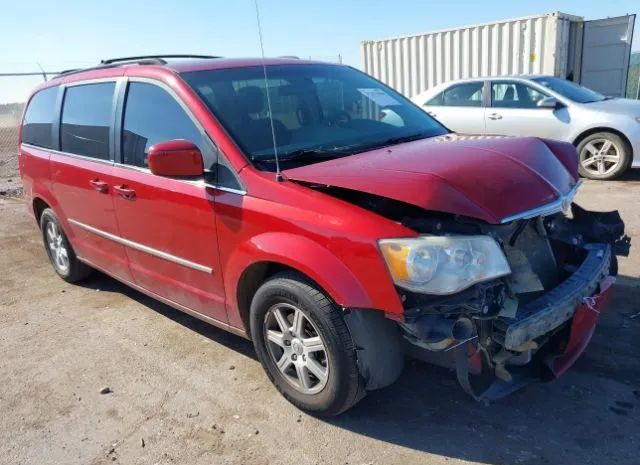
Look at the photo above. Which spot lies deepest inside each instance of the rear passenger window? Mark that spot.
(152, 115)
(464, 95)
(86, 118)
(36, 128)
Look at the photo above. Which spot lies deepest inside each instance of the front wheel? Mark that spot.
(603, 155)
(304, 345)
(59, 250)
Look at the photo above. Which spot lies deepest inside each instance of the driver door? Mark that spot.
(514, 112)
(168, 224)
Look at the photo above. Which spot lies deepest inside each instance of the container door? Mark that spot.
(605, 54)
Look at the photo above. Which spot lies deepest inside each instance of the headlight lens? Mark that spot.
(443, 264)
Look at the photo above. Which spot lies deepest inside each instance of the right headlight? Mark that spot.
(443, 264)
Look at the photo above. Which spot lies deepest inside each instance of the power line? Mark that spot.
(39, 73)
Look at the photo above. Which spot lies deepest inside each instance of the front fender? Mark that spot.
(309, 258)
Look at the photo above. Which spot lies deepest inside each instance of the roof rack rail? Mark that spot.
(142, 60)
(160, 58)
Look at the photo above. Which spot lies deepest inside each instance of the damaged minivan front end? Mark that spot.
(530, 323)
(506, 276)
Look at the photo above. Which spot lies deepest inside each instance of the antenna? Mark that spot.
(266, 85)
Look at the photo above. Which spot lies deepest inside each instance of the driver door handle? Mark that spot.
(432, 113)
(124, 192)
(495, 116)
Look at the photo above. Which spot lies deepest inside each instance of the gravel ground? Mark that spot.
(10, 185)
(183, 392)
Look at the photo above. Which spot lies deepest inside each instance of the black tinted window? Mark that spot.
(151, 116)
(86, 117)
(314, 112)
(464, 95)
(39, 117)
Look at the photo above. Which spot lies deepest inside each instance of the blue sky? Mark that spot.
(66, 34)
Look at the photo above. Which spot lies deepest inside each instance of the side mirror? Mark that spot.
(550, 102)
(175, 158)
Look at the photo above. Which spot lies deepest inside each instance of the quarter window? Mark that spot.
(39, 117)
(86, 119)
(152, 115)
(514, 95)
(464, 95)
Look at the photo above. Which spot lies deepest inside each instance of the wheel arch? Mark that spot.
(39, 205)
(590, 131)
(254, 261)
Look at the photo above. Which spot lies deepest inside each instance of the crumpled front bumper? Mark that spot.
(561, 303)
(575, 304)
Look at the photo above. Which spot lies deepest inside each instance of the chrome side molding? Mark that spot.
(143, 248)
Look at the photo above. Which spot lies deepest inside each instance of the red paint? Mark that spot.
(331, 241)
(175, 158)
(582, 327)
(488, 179)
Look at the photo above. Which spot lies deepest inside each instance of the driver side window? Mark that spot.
(508, 94)
(152, 115)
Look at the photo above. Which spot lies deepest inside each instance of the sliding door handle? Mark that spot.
(99, 186)
(495, 116)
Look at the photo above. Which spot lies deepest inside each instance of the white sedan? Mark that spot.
(606, 131)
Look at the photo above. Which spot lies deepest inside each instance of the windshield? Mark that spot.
(319, 111)
(570, 89)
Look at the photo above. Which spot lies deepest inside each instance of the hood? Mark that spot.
(481, 177)
(618, 106)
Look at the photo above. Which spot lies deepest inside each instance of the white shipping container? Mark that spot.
(544, 44)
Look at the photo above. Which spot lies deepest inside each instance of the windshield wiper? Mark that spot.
(313, 153)
(394, 141)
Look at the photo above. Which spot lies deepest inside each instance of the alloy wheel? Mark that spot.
(297, 348)
(600, 157)
(57, 247)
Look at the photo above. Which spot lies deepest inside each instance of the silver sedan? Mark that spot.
(606, 131)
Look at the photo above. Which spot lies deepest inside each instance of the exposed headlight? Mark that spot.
(443, 264)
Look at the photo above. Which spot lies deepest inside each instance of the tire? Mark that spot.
(339, 386)
(594, 163)
(59, 250)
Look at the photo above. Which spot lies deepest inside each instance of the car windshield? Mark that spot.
(319, 111)
(570, 89)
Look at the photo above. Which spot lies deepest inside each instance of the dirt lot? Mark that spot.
(186, 393)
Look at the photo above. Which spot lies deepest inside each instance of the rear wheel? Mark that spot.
(59, 250)
(603, 155)
(304, 345)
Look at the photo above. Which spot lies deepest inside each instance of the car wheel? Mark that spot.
(603, 155)
(304, 345)
(59, 250)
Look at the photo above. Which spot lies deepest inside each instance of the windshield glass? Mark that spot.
(570, 89)
(319, 111)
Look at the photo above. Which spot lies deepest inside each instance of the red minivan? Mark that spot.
(271, 198)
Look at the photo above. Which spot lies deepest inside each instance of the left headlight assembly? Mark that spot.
(443, 265)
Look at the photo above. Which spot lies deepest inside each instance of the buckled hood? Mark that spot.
(489, 178)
